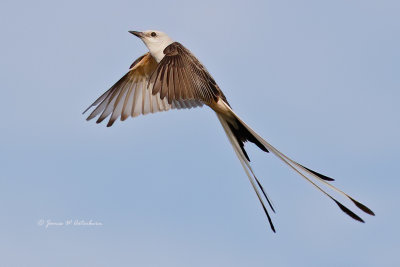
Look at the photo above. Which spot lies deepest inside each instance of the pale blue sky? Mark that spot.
(318, 79)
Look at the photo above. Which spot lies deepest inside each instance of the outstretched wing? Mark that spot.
(131, 95)
(180, 76)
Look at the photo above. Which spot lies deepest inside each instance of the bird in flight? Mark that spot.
(168, 77)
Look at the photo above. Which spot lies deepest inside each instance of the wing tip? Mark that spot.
(124, 117)
(87, 109)
(110, 123)
(99, 120)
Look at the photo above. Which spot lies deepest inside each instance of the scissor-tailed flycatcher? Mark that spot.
(171, 77)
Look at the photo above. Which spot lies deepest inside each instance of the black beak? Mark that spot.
(138, 34)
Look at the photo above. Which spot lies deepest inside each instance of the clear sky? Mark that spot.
(318, 79)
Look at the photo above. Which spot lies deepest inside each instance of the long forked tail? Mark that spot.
(244, 160)
(239, 132)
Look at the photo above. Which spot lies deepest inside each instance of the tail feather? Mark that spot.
(242, 133)
(247, 168)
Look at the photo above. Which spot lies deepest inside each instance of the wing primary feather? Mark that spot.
(197, 93)
(176, 80)
(154, 80)
(183, 87)
(111, 100)
(143, 88)
(195, 89)
(105, 98)
(99, 108)
(128, 103)
(150, 96)
(117, 109)
(180, 76)
(138, 100)
(98, 100)
(104, 103)
(183, 104)
(163, 85)
(170, 82)
(120, 101)
(135, 100)
(187, 88)
(177, 104)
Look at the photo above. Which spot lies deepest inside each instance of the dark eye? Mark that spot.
(153, 34)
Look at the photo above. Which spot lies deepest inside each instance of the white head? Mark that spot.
(155, 41)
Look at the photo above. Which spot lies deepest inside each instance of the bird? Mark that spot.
(169, 77)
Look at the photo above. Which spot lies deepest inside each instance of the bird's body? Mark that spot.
(171, 77)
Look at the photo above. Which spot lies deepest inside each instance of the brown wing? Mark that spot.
(131, 96)
(180, 76)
